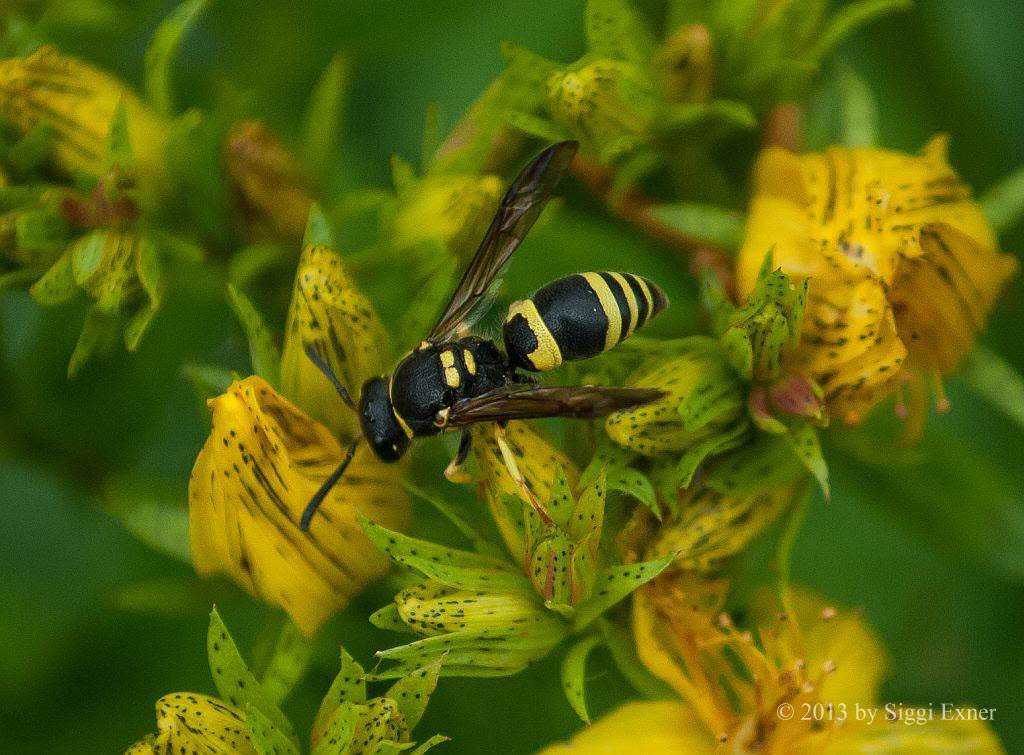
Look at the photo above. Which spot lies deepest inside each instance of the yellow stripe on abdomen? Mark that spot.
(608, 304)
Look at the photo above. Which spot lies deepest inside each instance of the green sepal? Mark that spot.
(267, 739)
(695, 455)
(582, 570)
(432, 742)
(714, 398)
(803, 439)
(729, 114)
(321, 126)
(403, 175)
(40, 231)
(57, 285)
(412, 692)
(859, 120)
(119, 143)
(410, 551)
(263, 352)
(613, 584)
(1003, 204)
(588, 516)
(614, 30)
(549, 570)
(318, 229)
(765, 462)
(390, 619)
(633, 483)
(207, 380)
(573, 673)
(621, 646)
(99, 333)
(235, 683)
(149, 273)
(32, 151)
(337, 731)
(160, 53)
(154, 514)
(560, 504)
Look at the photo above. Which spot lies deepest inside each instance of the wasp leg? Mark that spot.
(521, 379)
(513, 469)
(330, 482)
(454, 471)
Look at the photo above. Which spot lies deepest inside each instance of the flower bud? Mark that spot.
(703, 400)
(274, 197)
(687, 64)
(191, 722)
(79, 103)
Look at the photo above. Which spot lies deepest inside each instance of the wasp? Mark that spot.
(454, 380)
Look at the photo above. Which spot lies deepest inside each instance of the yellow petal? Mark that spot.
(79, 102)
(936, 737)
(190, 722)
(537, 461)
(275, 197)
(330, 314)
(651, 728)
(262, 463)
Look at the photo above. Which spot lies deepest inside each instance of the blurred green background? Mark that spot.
(929, 543)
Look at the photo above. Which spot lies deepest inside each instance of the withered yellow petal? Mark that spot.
(653, 728)
(329, 313)
(262, 463)
(79, 103)
(190, 722)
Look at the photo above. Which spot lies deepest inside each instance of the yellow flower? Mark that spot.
(79, 103)
(262, 463)
(902, 264)
(329, 313)
(266, 457)
(274, 196)
(747, 691)
(190, 722)
(452, 208)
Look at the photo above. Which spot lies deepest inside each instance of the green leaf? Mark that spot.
(695, 455)
(615, 583)
(162, 49)
(549, 569)
(537, 127)
(715, 225)
(433, 741)
(32, 151)
(633, 483)
(150, 275)
(725, 113)
(263, 352)
(99, 333)
(235, 682)
(390, 619)
(288, 662)
(1003, 204)
(401, 548)
(412, 692)
(318, 229)
(322, 123)
(588, 516)
(41, 230)
(847, 20)
(403, 176)
(338, 730)
(347, 689)
(206, 379)
(154, 514)
(449, 512)
(560, 505)
(803, 438)
(859, 126)
(57, 285)
(266, 738)
(765, 462)
(614, 30)
(119, 143)
(574, 667)
(996, 381)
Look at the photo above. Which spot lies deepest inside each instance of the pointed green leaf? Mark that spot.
(715, 225)
(588, 517)
(714, 398)
(322, 124)
(347, 689)
(57, 285)
(766, 461)
(389, 618)
(560, 505)
(803, 437)
(995, 380)
(614, 30)
(263, 351)
(207, 380)
(582, 571)
(412, 692)
(537, 127)
(847, 20)
(549, 569)
(739, 352)
(119, 143)
(99, 333)
(288, 662)
(574, 668)
(431, 141)
(403, 177)
(1003, 204)
(235, 682)
(266, 738)
(615, 583)
(41, 230)
(401, 547)
(621, 645)
(162, 49)
(32, 151)
(728, 114)
(449, 512)
(633, 483)
(150, 276)
(318, 229)
(433, 741)
(859, 126)
(154, 514)
(695, 455)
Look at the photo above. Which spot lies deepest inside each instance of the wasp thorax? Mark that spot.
(381, 427)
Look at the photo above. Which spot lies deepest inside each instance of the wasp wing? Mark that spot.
(518, 211)
(578, 401)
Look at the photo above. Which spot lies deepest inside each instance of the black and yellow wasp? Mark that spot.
(455, 380)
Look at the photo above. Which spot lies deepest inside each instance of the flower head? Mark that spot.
(79, 104)
(901, 264)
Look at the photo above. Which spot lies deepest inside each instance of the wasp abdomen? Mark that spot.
(577, 317)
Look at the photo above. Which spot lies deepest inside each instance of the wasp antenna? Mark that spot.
(330, 482)
(316, 358)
